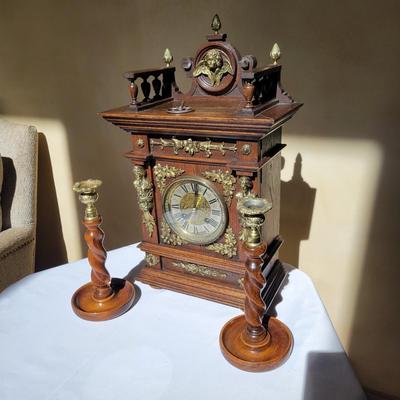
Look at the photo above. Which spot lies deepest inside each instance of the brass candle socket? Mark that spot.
(253, 210)
(88, 195)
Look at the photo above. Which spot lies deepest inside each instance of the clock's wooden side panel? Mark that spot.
(270, 188)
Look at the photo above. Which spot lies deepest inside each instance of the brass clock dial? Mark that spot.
(195, 210)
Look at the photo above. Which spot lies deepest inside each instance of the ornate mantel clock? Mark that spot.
(195, 156)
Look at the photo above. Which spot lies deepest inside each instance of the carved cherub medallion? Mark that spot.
(214, 64)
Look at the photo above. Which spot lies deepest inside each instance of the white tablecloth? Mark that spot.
(165, 347)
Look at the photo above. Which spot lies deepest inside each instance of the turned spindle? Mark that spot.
(248, 92)
(247, 341)
(133, 91)
(103, 298)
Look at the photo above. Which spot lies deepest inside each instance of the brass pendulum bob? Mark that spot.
(103, 298)
(246, 341)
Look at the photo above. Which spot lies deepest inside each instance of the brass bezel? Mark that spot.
(191, 238)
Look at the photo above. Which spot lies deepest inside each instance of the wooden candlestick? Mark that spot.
(245, 341)
(103, 298)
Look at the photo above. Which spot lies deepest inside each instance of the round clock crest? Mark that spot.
(215, 69)
(194, 210)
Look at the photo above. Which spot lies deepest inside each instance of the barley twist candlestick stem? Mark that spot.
(245, 341)
(103, 298)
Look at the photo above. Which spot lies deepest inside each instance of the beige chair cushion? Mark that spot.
(1, 185)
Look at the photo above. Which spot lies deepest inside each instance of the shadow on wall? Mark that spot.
(50, 245)
(297, 205)
(323, 373)
(7, 196)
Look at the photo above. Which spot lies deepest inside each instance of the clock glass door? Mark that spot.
(195, 210)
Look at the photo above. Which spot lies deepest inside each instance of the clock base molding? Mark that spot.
(184, 254)
(208, 277)
(192, 285)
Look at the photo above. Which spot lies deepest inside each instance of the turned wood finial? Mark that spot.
(99, 299)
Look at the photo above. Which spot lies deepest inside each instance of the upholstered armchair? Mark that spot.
(18, 183)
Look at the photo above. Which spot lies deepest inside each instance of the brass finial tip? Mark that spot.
(216, 24)
(87, 186)
(275, 53)
(168, 57)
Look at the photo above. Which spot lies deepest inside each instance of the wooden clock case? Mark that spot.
(232, 137)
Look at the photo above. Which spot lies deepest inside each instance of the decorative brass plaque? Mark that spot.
(201, 270)
(192, 147)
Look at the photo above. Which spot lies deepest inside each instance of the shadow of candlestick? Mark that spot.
(297, 205)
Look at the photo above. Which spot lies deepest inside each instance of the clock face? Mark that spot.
(194, 210)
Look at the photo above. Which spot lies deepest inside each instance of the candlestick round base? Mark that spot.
(266, 354)
(86, 307)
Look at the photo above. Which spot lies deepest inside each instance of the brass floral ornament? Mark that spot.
(214, 64)
(164, 172)
(228, 247)
(201, 270)
(192, 146)
(246, 185)
(144, 190)
(151, 260)
(226, 179)
(169, 237)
